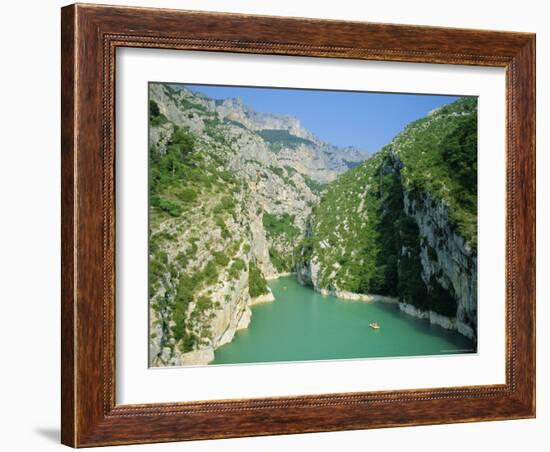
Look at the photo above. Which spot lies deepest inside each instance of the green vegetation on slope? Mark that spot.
(156, 118)
(360, 235)
(283, 234)
(344, 233)
(439, 154)
(315, 186)
(282, 138)
(182, 182)
(363, 240)
(257, 285)
(280, 225)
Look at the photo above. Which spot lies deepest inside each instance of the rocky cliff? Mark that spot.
(293, 145)
(404, 223)
(230, 195)
(238, 197)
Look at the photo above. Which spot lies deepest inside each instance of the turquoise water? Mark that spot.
(303, 325)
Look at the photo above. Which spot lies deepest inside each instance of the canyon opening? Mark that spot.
(295, 225)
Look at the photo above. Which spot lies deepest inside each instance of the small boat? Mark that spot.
(374, 325)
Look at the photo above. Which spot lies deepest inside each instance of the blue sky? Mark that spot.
(343, 118)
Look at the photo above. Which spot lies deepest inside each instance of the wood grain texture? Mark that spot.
(68, 310)
(90, 36)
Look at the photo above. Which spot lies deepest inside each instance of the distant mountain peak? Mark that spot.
(294, 145)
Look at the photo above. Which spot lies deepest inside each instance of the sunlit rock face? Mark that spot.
(248, 185)
(403, 223)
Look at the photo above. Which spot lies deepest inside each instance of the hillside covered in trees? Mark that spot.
(238, 197)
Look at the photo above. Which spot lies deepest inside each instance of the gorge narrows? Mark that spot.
(241, 200)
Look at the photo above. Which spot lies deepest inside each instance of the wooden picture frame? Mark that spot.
(90, 36)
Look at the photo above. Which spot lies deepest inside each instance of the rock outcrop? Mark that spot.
(238, 197)
(228, 204)
(293, 145)
(404, 224)
(447, 258)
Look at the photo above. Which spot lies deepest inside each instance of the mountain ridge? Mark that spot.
(225, 213)
(404, 222)
(335, 158)
(231, 207)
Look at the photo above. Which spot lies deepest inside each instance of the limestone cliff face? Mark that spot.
(238, 197)
(404, 224)
(239, 205)
(293, 145)
(227, 294)
(447, 258)
(235, 110)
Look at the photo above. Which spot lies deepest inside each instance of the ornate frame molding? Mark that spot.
(90, 37)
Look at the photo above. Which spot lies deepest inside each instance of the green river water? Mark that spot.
(303, 325)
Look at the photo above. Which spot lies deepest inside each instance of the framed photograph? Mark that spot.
(281, 225)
